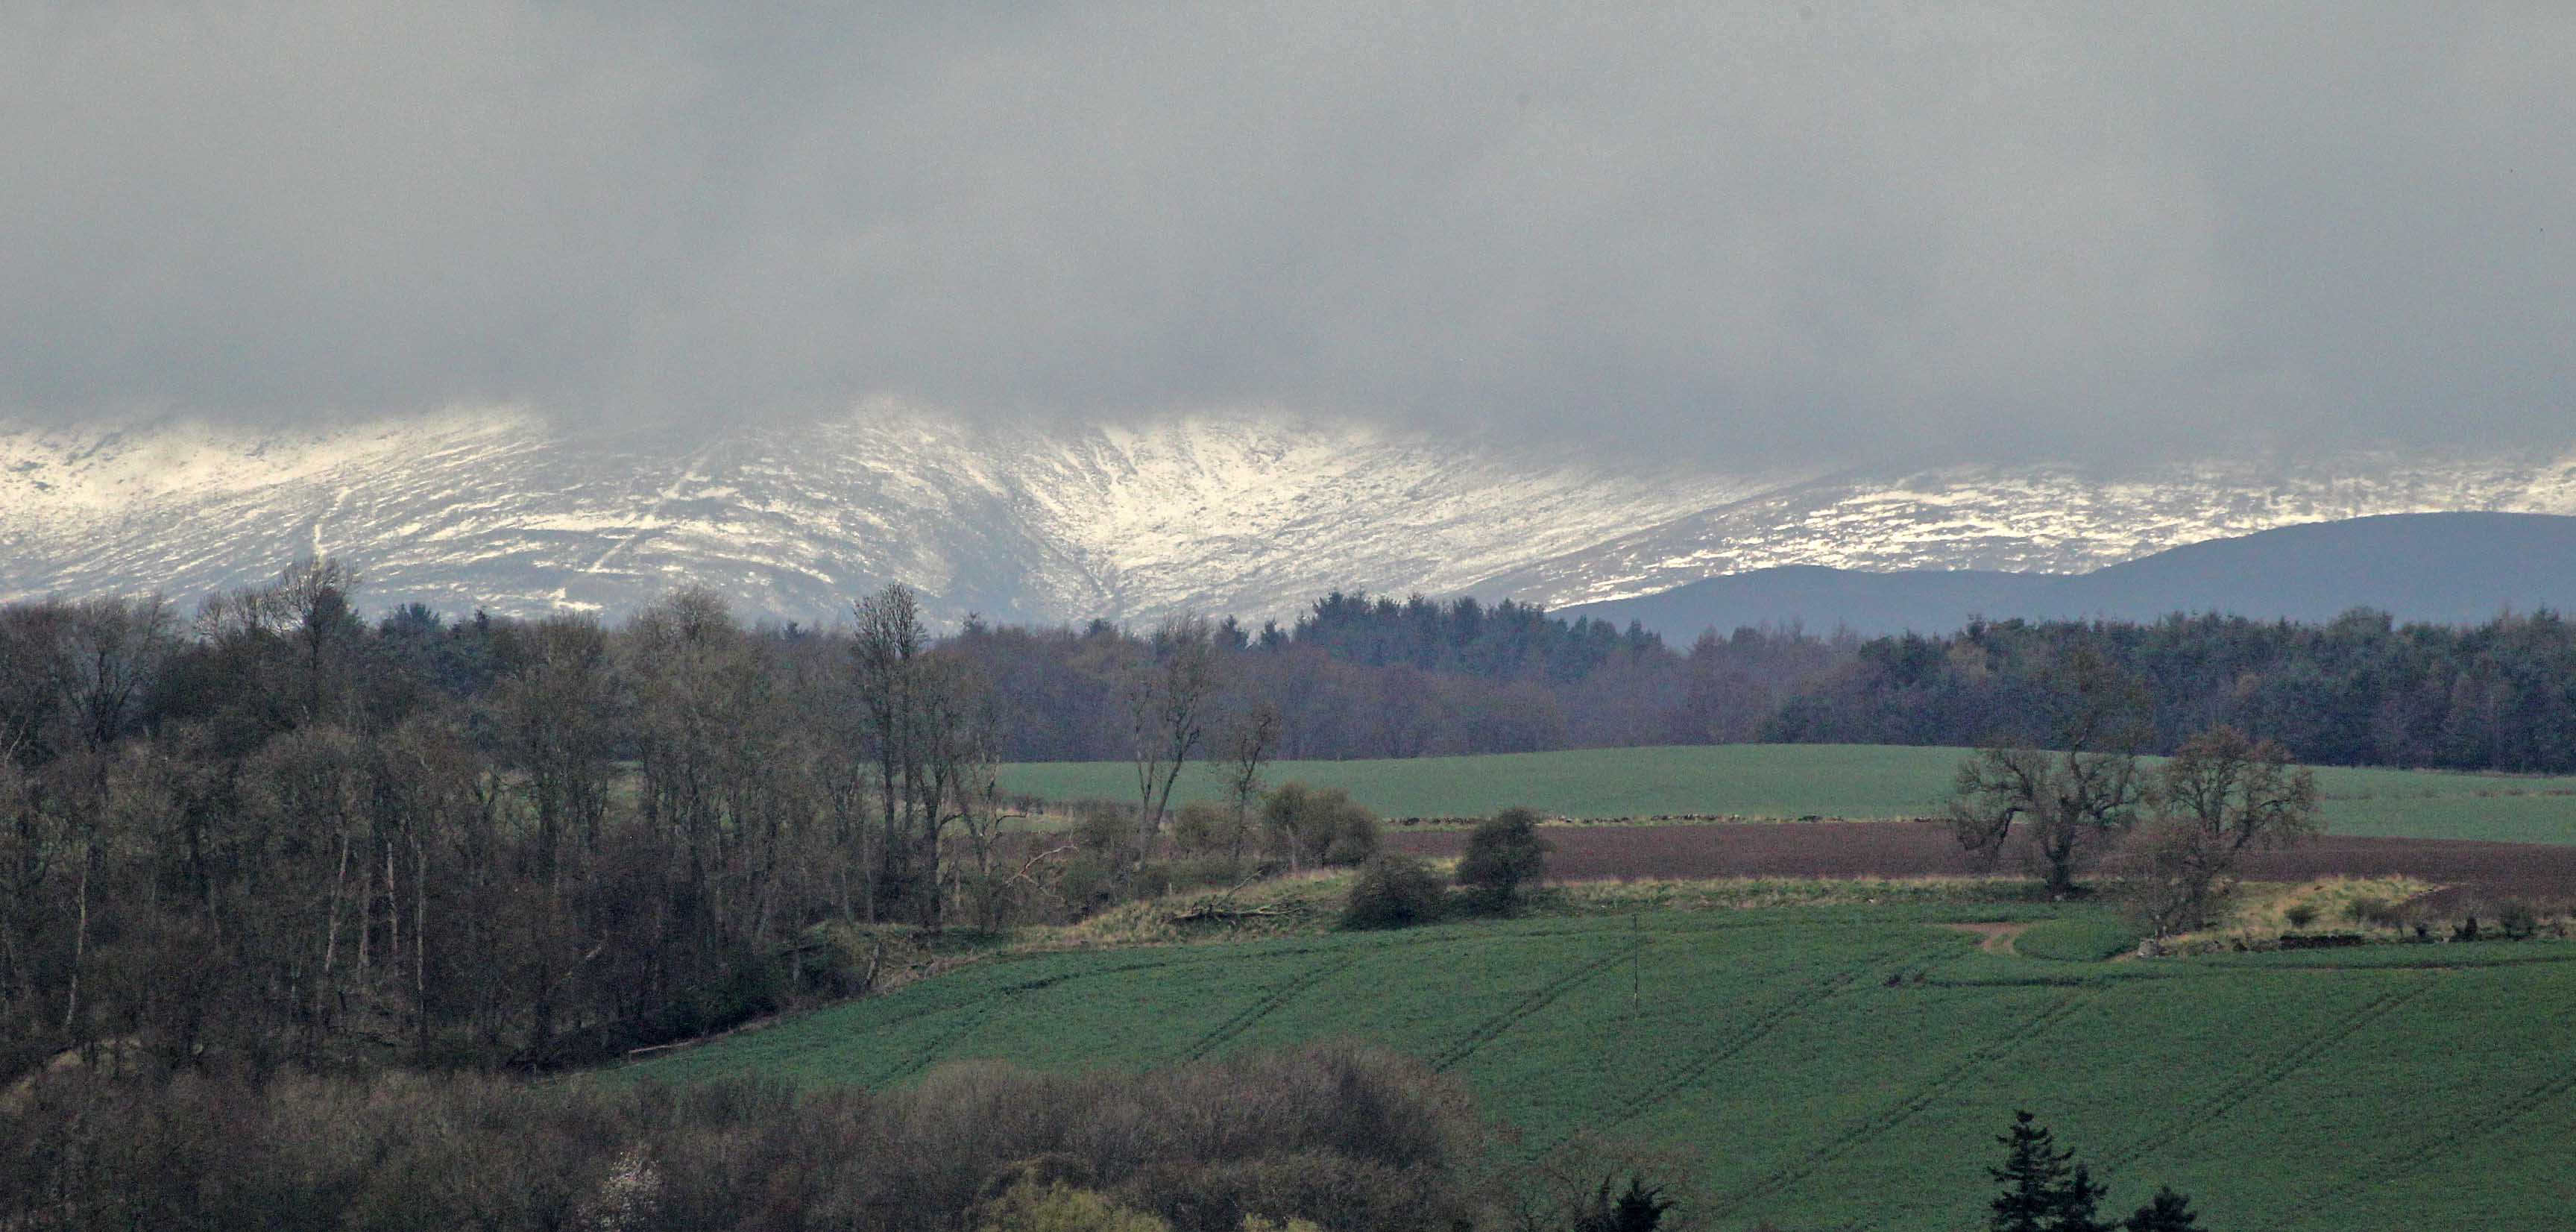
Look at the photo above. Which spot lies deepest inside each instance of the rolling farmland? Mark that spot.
(1826, 780)
(1844, 1067)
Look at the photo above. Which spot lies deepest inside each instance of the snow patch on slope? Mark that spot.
(1252, 512)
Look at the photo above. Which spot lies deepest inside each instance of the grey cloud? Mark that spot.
(1756, 233)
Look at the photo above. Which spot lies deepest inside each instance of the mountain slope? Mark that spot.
(790, 522)
(2041, 519)
(2441, 567)
(1249, 515)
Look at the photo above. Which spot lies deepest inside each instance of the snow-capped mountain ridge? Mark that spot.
(1249, 514)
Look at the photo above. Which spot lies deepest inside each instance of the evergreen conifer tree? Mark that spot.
(2042, 1188)
(2169, 1212)
(1640, 1209)
(2079, 1205)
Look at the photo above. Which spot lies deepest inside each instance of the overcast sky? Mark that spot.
(1759, 232)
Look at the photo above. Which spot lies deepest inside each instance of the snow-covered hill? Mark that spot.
(2046, 519)
(1252, 515)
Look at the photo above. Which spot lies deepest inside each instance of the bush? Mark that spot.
(1104, 828)
(1394, 892)
(1355, 838)
(1347, 1138)
(1504, 853)
(1204, 829)
(1062, 1208)
(2300, 915)
(2371, 911)
(1309, 825)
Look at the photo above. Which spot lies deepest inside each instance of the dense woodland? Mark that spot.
(1360, 677)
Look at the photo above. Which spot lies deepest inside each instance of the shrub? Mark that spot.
(1346, 1138)
(1062, 1208)
(1087, 882)
(1355, 838)
(1393, 892)
(1593, 1184)
(1102, 827)
(1504, 853)
(1203, 829)
(2300, 915)
(1310, 825)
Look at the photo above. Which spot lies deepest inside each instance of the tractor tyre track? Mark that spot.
(1546, 995)
(1842, 1144)
(2235, 1094)
(1297, 986)
(1761, 1027)
(2425, 1148)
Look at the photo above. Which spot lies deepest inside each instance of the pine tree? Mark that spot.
(2043, 1189)
(1640, 1209)
(2079, 1205)
(2169, 1212)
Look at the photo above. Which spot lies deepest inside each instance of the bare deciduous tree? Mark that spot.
(1248, 745)
(890, 639)
(2222, 793)
(2062, 800)
(1170, 691)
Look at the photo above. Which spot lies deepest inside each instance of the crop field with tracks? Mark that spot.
(1844, 1067)
(1819, 780)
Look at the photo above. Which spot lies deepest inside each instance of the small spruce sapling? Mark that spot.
(2168, 1212)
(1640, 1209)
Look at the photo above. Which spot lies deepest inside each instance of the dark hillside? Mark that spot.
(2441, 568)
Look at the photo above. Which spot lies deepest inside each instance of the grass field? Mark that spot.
(1846, 1067)
(1828, 780)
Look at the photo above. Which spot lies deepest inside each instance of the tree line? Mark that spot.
(273, 836)
(2359, 690)
(1356, 677)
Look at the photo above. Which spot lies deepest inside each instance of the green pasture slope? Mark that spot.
(1797, 780)
(2392, 1087)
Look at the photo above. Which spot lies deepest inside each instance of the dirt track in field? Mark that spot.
(1994, 937)
(1915, 849)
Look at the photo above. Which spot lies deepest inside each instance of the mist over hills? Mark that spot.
(2446, 568)
(1251, 515)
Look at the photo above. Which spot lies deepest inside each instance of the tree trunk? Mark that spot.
(80, 938)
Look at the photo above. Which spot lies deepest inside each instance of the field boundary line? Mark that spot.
(2235, 1094)
(1840, 1145)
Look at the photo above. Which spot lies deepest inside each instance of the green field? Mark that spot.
(1796, 780)
(2396, 1086)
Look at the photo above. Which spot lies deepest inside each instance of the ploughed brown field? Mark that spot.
(1916, 849)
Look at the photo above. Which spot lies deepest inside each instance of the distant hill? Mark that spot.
(2450, 568)
(1248, 514)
